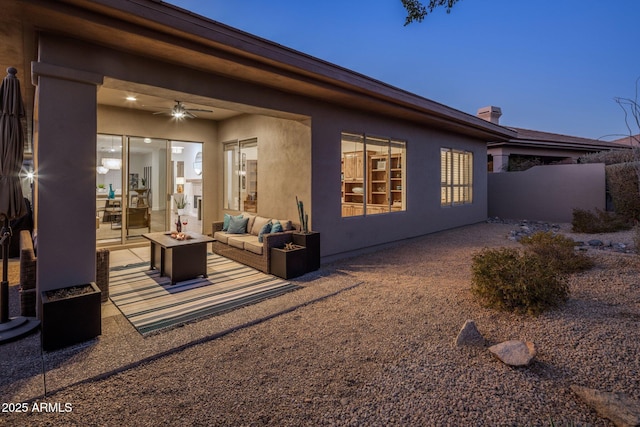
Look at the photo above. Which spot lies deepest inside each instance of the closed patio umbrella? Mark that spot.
(11, 200)
(11, 147)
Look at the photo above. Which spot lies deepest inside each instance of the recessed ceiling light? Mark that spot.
(147, 140)
(131, 98)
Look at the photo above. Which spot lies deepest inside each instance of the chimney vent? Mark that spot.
(491, 114)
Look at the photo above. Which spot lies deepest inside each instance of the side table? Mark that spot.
(288, 264)
(311, 241)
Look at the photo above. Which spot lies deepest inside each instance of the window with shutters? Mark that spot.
(456, 177)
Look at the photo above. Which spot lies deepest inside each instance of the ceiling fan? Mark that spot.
(180, 111)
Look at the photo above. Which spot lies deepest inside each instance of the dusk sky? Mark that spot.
(551, 65)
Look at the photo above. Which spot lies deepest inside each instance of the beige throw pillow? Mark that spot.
(258, 223)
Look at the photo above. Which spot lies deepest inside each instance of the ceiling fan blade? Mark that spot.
(200, 110)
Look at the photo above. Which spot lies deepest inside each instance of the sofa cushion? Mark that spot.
(222, 236)
(258, 224)
(237, 225)
(253, 246)
(240, 241)
(286, 224)
(251, 218)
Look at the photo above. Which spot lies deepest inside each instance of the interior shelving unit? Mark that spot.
(353, 190)
(396, 182)
(383, 185)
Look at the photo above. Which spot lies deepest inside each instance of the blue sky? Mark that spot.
(551, 65)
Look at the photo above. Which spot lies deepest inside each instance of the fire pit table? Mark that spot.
(179, 259)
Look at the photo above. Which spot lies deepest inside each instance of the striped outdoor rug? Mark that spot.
(151, 303)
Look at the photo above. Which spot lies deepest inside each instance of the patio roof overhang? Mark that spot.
(538, 139)
(158, 30)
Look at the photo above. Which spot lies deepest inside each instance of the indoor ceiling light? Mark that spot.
(131, 98)
(147, 140)
(177, 150)
(111, 163)
(102, 170)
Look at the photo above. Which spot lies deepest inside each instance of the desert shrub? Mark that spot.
(612, 157)
(522, 163)
(598, 222)
(622, 184)
(508, 279)
(557, 252)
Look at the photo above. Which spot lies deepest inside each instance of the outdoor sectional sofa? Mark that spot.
(245, 246)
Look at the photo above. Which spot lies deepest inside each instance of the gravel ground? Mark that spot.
(383, 353)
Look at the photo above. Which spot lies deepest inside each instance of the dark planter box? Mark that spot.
(311, 241)
(70, 320)
(288, 264)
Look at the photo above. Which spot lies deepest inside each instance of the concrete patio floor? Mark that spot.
(28, 374)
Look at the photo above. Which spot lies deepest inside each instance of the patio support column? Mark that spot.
(500, 162)
(65, 155)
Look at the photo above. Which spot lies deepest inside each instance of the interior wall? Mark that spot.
(284, 161)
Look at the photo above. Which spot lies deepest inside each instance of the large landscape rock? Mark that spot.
(514, 353)
(469, 335)
(618, 407)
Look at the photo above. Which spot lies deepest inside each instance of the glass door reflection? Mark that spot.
(109, 201)
(146, 206)
(186, 186)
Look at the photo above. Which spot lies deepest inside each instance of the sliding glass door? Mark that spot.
(139, 184)
(186, 185)
(109, 201)
(146, 209)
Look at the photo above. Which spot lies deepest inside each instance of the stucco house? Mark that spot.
(264, 124)
(538, 146)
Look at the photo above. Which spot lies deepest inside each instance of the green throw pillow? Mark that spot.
(237, 225)
(225, 223)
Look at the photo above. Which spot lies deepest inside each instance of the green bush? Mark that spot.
(598, 222)
(529, 280)
(558, 252)
(622, 173)
(508, 279)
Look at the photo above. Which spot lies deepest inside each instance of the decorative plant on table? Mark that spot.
(181, 202)
(304, 218)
